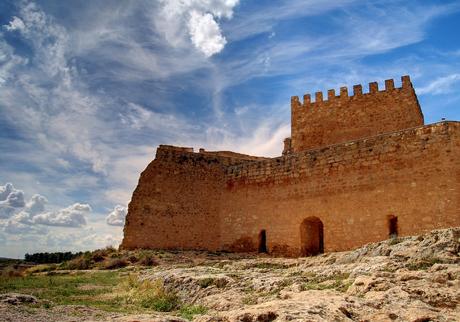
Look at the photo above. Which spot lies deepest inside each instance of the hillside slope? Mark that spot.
(406, 279)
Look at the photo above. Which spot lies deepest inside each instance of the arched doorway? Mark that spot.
(263, 241)
(311, 236)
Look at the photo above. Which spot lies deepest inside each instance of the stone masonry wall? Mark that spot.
(212, 200)
(176, 202)
(352, 188)
(343, 118)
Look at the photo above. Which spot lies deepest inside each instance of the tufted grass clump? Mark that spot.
(114, 263)
(394, 241)
(149, 294)
(210, 281)
(189, 311)
(269, 266)
(337, 282)
(81, 262)
(147, 258)
(423, 264)
(250, 299)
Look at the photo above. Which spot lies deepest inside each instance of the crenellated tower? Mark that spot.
(343, 118)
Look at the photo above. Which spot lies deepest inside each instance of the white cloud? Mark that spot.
(200, 19)
(97, 240)
(135, 116)
(441, 85)
(53, 101)
(15, 24)
(36, 204)
(265, 140)
(72, 216)
(10, 200)
(117, 216)
(24, 217)
(15, 227)
(5, 191)
(88, 137)
(6, 211)
(83, 240)
(15, 199)
(205, 33)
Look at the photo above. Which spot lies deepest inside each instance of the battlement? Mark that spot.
(322, 100)
(338, 118)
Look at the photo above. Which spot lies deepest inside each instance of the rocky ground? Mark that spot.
(405, 279)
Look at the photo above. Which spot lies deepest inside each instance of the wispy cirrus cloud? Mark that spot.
(441, 85)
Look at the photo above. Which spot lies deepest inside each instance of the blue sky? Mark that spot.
(89, 89)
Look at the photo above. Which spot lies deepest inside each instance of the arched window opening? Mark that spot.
(263, 241)
(392, 226)
(311, 237)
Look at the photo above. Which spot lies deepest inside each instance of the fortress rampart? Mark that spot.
(329, 198)
(353, 187)
(344, 118)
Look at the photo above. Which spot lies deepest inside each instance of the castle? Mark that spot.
(357, 169)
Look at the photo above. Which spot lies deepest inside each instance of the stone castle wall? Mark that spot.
(343, 118)
(351, 190)
(176, 203)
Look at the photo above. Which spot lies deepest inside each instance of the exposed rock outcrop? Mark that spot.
(406, 279)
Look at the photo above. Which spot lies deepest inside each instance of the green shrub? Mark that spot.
(48, 258)
(164, 303)
(189, 311)
(11, 271)
(249, 299)
(79, 263)
(41, 268)
(99, 255)
(206, 282)
(114, 263)
(147, 258)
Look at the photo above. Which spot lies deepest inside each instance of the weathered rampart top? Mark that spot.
(225, 158)
(343, 118)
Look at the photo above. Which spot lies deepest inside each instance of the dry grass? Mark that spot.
(148, 294)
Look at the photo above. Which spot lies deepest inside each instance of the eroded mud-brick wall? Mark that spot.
(343, 118)
(353, 188)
